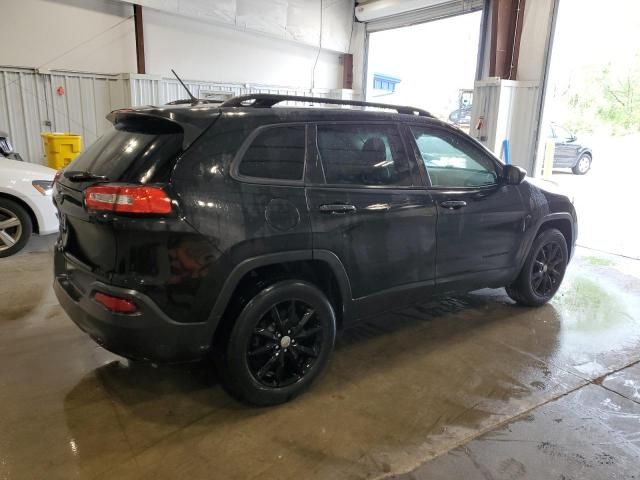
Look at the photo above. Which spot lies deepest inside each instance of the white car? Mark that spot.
(25, 204)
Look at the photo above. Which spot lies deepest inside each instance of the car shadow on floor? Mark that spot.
(399, 358)
(131, 383)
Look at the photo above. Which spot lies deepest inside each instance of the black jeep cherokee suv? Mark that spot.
(251, 231)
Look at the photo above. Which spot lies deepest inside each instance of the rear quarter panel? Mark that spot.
(238, 220)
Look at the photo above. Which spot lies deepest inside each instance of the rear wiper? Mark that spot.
(81, 176)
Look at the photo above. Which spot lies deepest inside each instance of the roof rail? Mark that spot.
(265, 100)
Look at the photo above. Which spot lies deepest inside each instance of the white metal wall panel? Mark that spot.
(445, 9)
(154, 90)
(21, 97)
(29, 104)
(506, 109)
(20, 100)
(295, 20)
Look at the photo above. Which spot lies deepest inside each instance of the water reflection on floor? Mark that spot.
(400, 389)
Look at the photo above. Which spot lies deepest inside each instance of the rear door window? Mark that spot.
(275, 153)
(363, 155)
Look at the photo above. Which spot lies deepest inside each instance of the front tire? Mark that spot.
(583, 165)
(15, 227)
(543, 270)
(279, 344)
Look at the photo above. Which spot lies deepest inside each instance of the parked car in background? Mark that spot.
(569, 153)
(25, 204)
(251, 232)
(6, 148)
(461, 117)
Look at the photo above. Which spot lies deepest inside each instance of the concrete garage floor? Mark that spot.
(469, 387)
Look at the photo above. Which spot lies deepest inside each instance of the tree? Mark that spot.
(599, 97)
(620, 106)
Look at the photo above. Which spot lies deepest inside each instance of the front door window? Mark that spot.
(451, 163)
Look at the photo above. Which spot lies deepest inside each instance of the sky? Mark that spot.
(434, 60)
(588, 38)
(592, 32)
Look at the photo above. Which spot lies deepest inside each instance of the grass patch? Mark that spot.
(589, 306)
(599, 261)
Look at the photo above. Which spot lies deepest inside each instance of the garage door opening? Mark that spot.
(430, 65)
(592, 120)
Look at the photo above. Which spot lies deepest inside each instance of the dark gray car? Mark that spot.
(569, 153)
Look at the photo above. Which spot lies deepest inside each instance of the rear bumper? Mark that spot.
(148, 334)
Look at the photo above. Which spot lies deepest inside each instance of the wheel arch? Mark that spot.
(320, 267)
(583, 151)
(562, 221)
(30, 211)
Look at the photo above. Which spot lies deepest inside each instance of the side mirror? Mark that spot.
(513, 175)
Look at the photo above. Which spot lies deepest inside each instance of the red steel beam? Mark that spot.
(137, 20)
(347, 71)
(506, 31)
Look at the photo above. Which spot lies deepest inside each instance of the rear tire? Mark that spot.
(279, 344)
(583, 165)
(15, 227)
(543, 270)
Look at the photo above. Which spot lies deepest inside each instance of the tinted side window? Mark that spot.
(451, 162)
(363, 155)
(276, 152)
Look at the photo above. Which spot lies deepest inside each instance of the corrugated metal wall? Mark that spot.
(150, 90)
(508, 111)
(30, 104)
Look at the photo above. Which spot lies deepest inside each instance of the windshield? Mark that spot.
(562, 132)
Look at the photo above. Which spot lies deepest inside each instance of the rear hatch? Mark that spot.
(140, 148)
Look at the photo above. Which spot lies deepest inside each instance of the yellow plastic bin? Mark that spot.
(61, 148)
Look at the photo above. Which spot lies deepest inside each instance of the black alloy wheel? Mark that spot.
(548, 269)
(543, 270)
(285, 343)
(277, 343)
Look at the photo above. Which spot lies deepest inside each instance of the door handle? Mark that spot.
(337, 208)
(453, 204)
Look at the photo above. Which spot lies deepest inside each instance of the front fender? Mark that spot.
(533, 230)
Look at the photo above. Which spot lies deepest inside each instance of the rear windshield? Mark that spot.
(129, 154)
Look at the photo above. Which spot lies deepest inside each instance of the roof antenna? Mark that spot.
(194, 100)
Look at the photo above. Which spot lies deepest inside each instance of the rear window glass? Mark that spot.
(125, 154)
(275, 153)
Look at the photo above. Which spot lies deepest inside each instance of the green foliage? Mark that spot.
(621, 95)
(608, 96)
